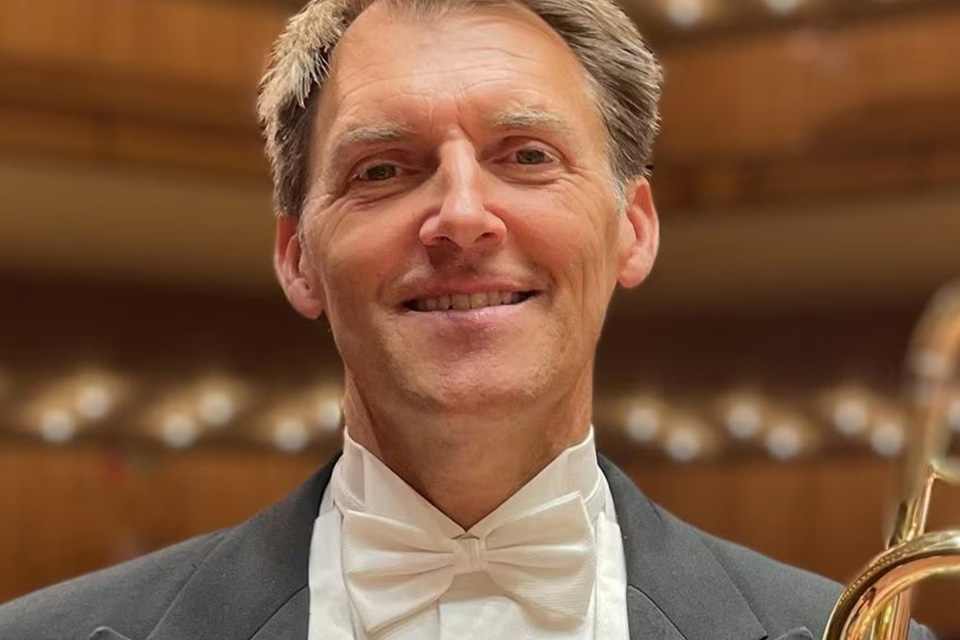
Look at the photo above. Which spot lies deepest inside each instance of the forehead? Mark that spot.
(466, 63)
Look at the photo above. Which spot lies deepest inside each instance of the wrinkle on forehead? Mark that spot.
(368, 29)
(372, 43)
(362, 67)
(518, 117)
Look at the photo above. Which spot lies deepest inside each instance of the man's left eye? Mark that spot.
(532, 156)
(378, 173)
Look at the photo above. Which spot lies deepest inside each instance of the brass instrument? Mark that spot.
(877, 604)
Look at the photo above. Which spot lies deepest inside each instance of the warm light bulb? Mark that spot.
(685, 13)
(743, 420)
(57, 426)
(178, 430)
(328, 414)
(642, 423)
(216, 407)
(290, 434)
(94, 401)
(782, 7)
(850, 416)
(887, 438)
(784, 441)
(684, 444)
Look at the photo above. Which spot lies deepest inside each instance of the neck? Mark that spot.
(468, 465)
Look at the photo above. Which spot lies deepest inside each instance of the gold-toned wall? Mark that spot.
(74, 510)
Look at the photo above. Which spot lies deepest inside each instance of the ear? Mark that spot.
(639, 235)
(288, 264)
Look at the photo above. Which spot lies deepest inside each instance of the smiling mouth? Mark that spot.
(466, 302)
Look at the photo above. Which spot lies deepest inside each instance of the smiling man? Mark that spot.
(461, 185)
(460, 229)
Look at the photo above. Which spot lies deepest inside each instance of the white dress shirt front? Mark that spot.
(474, 607)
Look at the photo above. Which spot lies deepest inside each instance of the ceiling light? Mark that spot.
(784, 441)
(782, 7)
(683, 443)
(57, 425)
(850, 416)
(887, 438)
(290, 434)
(178, 430)
(743, 419)
(685, 13)
(642, 422)
(216, 407)
(94, 401)
(328, 414)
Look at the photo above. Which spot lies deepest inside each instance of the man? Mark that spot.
(461, 184)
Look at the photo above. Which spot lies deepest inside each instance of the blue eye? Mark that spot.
(532, 156)
(378, 173)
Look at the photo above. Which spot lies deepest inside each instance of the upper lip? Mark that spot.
(434, 288)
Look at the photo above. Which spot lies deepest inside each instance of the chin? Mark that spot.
(480, 391)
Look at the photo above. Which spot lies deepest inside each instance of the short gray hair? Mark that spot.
(621, 71)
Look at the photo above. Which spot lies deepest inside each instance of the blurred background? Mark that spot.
(154, 384)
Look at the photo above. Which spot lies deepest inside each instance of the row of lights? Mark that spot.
(62, 411)
(690, 13)
(855, 414)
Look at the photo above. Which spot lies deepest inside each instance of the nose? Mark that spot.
(462, 217)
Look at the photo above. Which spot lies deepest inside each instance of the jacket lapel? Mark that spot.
(254, 583)
(106, 633)
(676, 589)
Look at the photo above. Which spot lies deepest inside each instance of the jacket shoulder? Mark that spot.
(783, 596)
(129, 597)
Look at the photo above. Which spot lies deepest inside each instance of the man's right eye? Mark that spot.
(377, 173)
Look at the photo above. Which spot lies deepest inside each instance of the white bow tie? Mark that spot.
(545, 559)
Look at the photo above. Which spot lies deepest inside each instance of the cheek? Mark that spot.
(569, 232)
(356, 255)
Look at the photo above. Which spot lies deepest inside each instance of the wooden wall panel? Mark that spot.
(771, 116)
(825, 514)
(71, 510)
(193, 41)
(68, 511)
(788, 93)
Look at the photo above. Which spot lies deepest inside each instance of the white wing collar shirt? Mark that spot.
(385, 564)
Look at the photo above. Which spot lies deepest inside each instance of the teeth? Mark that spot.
(463, 302)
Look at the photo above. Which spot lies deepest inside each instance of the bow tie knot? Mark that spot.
(545, 559)
(469, 556)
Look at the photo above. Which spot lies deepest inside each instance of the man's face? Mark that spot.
(461, 230)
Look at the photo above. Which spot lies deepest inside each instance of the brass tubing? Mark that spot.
(889, 575)
(876, 606)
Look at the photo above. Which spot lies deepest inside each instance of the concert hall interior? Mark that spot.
(155, 383)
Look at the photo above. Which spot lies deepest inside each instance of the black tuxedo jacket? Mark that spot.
(250, 583)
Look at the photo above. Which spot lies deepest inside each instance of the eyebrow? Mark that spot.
(524, 117)
(369, 134)
(518, 118)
